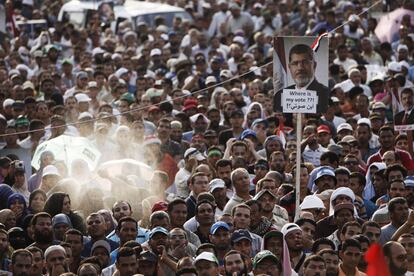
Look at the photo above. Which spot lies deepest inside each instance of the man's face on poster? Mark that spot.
(302, 67)
(407, 100)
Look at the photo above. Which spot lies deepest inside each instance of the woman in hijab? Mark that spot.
(17, 203)
(5, 192)
(254, 111)
(60, 203)
(8, 218)
(37, 201)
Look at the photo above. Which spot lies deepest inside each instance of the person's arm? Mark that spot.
(229, 144)
(405, 228)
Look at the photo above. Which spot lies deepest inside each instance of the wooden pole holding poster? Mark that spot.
(298, 159)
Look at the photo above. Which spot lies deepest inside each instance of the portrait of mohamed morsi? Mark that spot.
(301, 63)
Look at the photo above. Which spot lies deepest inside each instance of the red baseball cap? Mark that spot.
(159, 206)
(323, 128)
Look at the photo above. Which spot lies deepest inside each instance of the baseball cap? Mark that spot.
(158, 229)
(50, 170)
(261, 163)
(344, 126)
(289, 227)
(262, 255)
(216, 183)
(155, 52)
(81, 75)
(409, 181)
(121, 71)
(148, 256)
(211, 79)
(324, 172)
(349, 139)
(21, 121)
(92, 84)
(82, 98)
(194, 152)
(151, 140)
(159, 206)
(312, 202)
(101, 243)
(337, 149)
(195, 117)
(8, 102)
(364, 121)
(226, 73)
(237, 113)
(206, 256)
(97, 51)
(378, 105)
(216, 226)
(61, 219)
(260, 121)
(240, 234)
(248, 133)
(323, 129)
(28, 85)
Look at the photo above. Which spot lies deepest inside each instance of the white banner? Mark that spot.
(299, 101)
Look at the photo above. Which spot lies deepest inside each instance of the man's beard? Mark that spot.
(240, 103)
(43, 237)
(397, 271)
(302, 81)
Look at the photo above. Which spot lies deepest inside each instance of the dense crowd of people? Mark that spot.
(193, 168)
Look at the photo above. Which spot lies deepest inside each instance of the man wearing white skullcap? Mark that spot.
(55, 256)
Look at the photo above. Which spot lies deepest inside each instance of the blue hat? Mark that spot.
(239, 235)
(409, 181)
(246, 133)
(158, 229)
(216, 226)
(61, 219)
(325, 171)
(260, 121)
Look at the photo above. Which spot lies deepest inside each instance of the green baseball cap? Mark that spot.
(22, 121)
(262, 255)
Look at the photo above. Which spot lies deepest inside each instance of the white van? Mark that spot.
(77, 11)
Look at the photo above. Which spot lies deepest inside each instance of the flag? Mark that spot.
(376, 261)
(316, 43)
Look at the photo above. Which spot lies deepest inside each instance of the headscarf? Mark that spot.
(23, 190)
(369, 191)
(262, 115)
(13, 197)
(5, 192)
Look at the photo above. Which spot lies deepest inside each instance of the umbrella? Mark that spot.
(68, 148)
(390, 23)
(128, 167)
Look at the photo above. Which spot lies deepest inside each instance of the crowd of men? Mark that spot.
(192, 100)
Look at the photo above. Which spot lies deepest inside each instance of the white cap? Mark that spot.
(85, 115)
(97, 51)
(343, 191)
(116, 55)
(155, 52)
(365, 121)
(344, 126)
(217, 183)
(353, 18)
(211, 79)
(194, 118)
(121, 71)
(289, 227)
(82, 98)
(257, 6)
(226, 73)
(193, 151)
(312, 202)
(238, 39)
(402, 47)
(346, 85)
(50, 170)
(256, 70)
(394, 66)
(92, 84)
(335, 99)
(53, 248)
(206, 256)
(8, 102)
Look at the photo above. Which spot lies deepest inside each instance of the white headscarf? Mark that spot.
(369, 191)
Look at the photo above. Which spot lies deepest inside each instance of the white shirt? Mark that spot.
(218, 19)
(313, 156)
(181, 182)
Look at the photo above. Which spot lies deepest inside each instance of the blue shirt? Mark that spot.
(142, 236)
